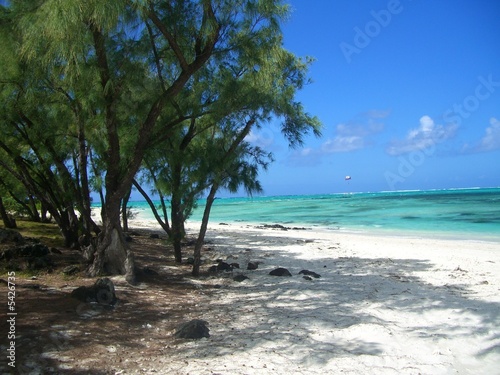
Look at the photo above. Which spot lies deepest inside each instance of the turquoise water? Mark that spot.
(466, 213)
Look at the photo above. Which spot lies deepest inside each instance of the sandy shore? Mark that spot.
(383, 305)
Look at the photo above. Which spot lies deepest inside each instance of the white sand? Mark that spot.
(383, 305)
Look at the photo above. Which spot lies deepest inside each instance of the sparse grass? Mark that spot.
(47, 233)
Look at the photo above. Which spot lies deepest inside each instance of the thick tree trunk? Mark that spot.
(112, 255)
(68, 224)
(203, 230)
(8, 220)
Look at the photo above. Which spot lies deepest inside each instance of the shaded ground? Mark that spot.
(58, 334)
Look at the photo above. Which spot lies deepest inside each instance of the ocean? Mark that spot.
(457, 213)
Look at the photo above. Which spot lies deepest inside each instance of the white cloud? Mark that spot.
(343, 144)
(263, 138)
(491, 140)
(426, 135)
(355, 134)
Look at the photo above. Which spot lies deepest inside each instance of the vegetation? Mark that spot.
(105, 95)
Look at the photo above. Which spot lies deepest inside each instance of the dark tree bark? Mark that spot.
(124, 211)
(8, 220)
(203, 230)
(112, 254)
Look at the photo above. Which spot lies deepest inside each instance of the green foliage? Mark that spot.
(92, 89)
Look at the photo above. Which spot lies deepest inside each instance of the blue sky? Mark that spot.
(408, 92)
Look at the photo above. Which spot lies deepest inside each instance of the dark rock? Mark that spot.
(149, 271)
(223, 224)
(189, 242)
(190, 260)
(53, 250)
(39, 263)
(32, 256)
(154, 236)
(223, 266)
(240, 278)
(309, 278)
(71, 270)
(310, 273)
(29, 250)
(194, 329)
(280, 272)
(102, 292)
(273, 226)
(14, 265)
(252, 266)
(9, 235)
(128, 238)
(235, 265)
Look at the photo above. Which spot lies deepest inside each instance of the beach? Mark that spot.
(382, 305)
(354, 303)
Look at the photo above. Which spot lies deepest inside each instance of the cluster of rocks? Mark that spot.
(308, 275)
(222, 266)
(278, 227)
(24, 254)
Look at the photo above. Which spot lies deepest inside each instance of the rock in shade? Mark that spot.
(252, 266)
(194, 329)
(280, 272)
(9, 235)
(102, 292)
(149, 271)
(310, 273)
(309, 278)
(71, 270)
(53, 250)
(240, 278)
(223, 266)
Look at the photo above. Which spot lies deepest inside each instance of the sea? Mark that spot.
(469, 214)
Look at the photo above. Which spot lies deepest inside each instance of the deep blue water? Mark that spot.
(467, 213)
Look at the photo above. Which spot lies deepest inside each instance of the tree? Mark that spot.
(43, 147)
(126, 61)
(209, 152)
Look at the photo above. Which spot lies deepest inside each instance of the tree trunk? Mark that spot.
(68, 224)
(8, 220)
(43, 213)
(112, 255)
(203, 230)
(164, 223)
(177, 229)
(124, 211)
(33, 209)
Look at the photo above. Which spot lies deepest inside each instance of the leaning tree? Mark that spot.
(134, 58)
